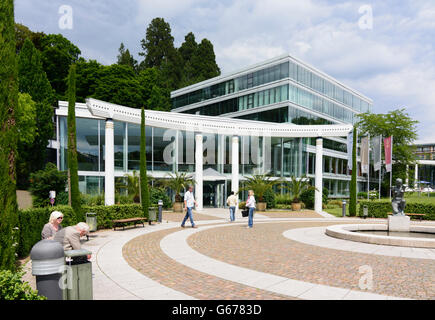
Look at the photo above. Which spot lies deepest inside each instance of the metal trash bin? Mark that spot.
(48, 265)
(78, 275)
(91, 220)
(152, 214)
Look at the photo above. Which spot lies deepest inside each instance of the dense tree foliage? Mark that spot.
(403, 128)
(43, 181)
(58, 53)
(33, 80)
(125, 58)
(8, 135)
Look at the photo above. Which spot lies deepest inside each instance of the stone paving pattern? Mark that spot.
(144, 254)
(264, 249)
(178, 217)
(291, 214)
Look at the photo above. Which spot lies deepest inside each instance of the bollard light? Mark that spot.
(365, 211)
(160, 203)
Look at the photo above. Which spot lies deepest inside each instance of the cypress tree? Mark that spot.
(72, 145)
(8, 136)
(143, 168)
(352, 189)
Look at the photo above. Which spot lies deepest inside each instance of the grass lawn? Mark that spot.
(337, 211)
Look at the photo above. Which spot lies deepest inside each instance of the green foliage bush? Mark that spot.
(283, 199)
(43, 181)
(307, 197)
(242, 204)
(362, 195)
(269, 198)
(13, 288)
(157, 194)
(380, 209)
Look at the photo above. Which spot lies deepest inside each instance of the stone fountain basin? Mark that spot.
(347, 232)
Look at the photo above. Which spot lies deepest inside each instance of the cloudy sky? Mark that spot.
(393, 62)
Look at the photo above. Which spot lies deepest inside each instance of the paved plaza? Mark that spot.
(285, 256)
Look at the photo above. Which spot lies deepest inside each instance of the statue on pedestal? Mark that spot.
(398, 200)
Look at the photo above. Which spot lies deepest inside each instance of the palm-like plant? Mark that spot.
(178, 182)
(297, 186)
(132, 185)
(260, 184)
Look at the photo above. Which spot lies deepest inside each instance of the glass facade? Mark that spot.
(295, 72)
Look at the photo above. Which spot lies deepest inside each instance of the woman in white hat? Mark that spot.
(52, 226)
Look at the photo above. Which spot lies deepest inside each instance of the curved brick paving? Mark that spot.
(264, 249)
(144, 254)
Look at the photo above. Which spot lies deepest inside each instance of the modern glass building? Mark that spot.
(285, 90)
(425, 167)
(283, 116)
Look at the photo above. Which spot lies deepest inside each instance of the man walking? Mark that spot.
(189, 204)
(232, 202)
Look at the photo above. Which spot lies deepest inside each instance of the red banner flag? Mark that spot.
(388, 147)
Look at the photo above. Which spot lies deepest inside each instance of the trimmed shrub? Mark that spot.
(307, 197)
(242, 204)
(380, 209)
(13, 288)
(269, 198)
(283, 199)
(362, 195)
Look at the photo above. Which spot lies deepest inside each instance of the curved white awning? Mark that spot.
(213, 125)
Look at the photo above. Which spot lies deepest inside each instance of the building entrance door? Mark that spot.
(209, 194)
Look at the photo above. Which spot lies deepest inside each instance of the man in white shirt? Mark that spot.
(189, 204)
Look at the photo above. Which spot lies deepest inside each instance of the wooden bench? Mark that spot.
(417, 215)
(123, 222)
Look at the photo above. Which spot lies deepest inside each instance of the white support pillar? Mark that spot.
(318, 176)
(416, 177)
(407, 176)
(235, 165)
(198, 171)
(109, 180)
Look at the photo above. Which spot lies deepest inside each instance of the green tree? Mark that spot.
(297, 186)
(158, 44)
(43, 181)
(177, 182)
(153, 89)
(403, 128)
(204, 62)
(27, 130)
(145, 195)
(260, 184)
(22, 33)
(33, 80)
(58, 53)
(72, 145)
(159, 51)
(118, 84)
(353, 187)
(187, 50)
(125, 58)
(87, 75)
(8, 135)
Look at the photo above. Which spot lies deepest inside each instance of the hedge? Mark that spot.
(31, 221)
(380, 209)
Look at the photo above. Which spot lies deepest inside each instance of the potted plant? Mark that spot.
(296, 187)
(177, 182)
(260, 184)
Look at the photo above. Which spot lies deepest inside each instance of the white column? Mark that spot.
(235, 165)
(407, 176)
(109, 180)
(198, 171)
(416, 177)
(318, 176)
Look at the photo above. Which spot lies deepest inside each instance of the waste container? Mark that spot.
(47, 265)
(152, 214)
(79, 275)
(91, 220)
